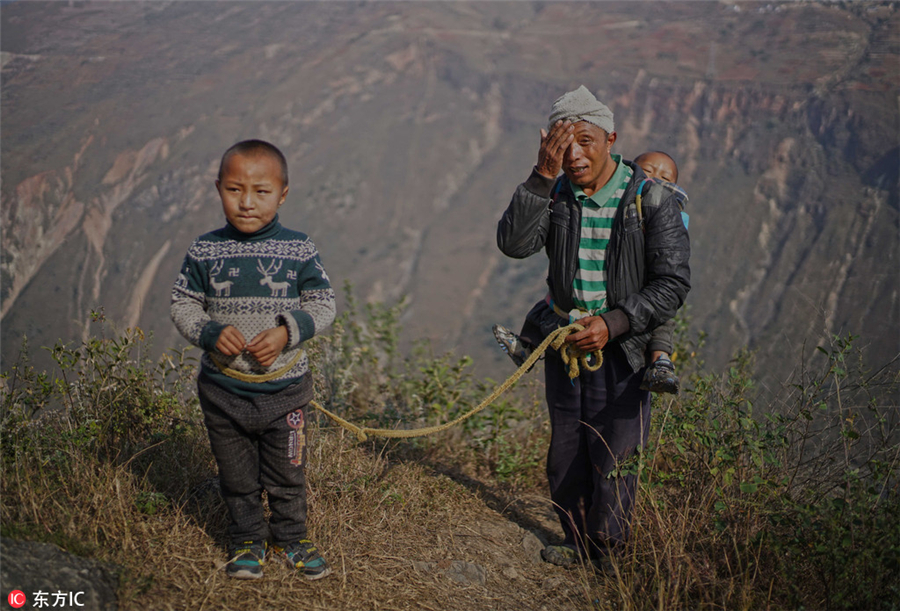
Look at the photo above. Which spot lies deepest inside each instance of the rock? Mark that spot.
(510, 573)
(466, 573)
(532, 546)
(424, 567)
(63, 578)
(551, 583)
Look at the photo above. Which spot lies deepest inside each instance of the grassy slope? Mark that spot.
(735, 510)
(393, 532)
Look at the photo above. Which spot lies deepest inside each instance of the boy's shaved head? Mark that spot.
(256, 147)
(657, 164)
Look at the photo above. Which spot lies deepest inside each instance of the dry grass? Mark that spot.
(733, 512)
(390, 529)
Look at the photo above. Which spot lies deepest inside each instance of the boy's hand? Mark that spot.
(266, 346)
(553, 148)
(593, 337)
(230, 341)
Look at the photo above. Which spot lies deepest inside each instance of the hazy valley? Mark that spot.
(408, 125)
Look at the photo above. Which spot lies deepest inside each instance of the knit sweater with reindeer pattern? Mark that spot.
(253, 282)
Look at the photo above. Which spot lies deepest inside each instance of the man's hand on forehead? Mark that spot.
(553, 148)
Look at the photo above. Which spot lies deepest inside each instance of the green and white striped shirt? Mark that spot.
(597, 214)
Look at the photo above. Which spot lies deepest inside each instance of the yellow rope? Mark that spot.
(570, 355)
(257, 378)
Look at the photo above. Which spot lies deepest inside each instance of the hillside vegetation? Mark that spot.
(741, 506)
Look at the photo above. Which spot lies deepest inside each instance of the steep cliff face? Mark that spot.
(795, 235)
(407, 126)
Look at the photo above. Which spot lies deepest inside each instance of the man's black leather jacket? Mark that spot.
(648, 276)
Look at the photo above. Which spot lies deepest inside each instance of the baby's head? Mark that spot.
(252, 184)
(659, 165)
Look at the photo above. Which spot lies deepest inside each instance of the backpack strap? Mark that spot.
(637, 203)
(556, 190)
(654, 198)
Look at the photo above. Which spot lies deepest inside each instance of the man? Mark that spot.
(621, 273)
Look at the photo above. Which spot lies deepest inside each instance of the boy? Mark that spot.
(255, 279)
(660, 375)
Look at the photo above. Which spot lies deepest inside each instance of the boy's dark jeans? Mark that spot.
(259, 444)
(595, 423)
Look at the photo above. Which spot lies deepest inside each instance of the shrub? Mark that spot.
(108, 406)
(792, 507)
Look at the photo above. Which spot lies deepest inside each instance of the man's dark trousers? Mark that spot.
(260, 443)
(596, 422)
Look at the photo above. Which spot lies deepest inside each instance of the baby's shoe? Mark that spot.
(511, 345)
(660, 377)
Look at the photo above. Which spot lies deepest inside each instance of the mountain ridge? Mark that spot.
(406, 130)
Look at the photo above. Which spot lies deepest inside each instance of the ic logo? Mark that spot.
(16, 599)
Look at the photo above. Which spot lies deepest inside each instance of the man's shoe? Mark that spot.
(247, 560)
(511, 345)
(604, 565)
(305, 557)
(560, 555)
(660, 377)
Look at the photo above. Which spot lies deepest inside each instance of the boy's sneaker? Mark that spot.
(560, 555)
(305, 557)
(247, 560)
(511, 345)
(660, 377)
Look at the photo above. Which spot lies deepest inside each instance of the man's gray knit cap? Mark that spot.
(581, 105)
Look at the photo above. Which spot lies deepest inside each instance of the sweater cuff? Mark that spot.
(210, 335)
(616, 322)
(539, 184)
(300, 327)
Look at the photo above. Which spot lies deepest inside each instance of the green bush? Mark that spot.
(106, 403)
(795, 506)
